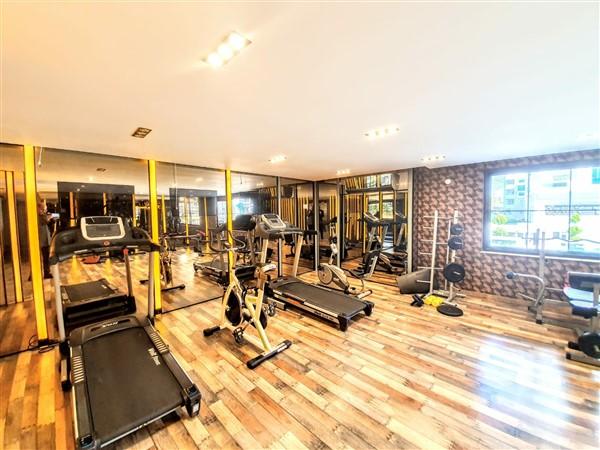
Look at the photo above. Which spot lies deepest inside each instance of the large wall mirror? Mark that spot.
(72, 185)
(375, 210)
(17, 318)
(191, 210)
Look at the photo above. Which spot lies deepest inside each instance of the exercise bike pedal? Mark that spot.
(238, 335)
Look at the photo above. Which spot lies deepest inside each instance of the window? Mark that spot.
(562, 203)
(386, 179)
(371, 181)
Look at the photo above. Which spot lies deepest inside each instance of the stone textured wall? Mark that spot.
(485, 271)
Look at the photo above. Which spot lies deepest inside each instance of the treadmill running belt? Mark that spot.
(87, 290)
(336, 302)
(120, 368)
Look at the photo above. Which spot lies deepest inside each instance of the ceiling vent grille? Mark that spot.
(141, 132)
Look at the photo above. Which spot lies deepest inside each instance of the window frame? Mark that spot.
(530, 169)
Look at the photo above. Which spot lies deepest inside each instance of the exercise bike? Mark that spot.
(240, 308)
(166, 270)
(335, 277)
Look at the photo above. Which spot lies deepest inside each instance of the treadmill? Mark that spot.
(329, 304)
(121, 374)
(91, 301)
(218, 268)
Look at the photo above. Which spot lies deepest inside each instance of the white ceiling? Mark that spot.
(473, 81)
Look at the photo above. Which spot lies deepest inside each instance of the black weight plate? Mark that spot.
(589, 343)
(454, 273)
(449, 310)
(455, 243)
(456, 229)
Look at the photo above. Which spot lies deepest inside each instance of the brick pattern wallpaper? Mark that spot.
(484, 272)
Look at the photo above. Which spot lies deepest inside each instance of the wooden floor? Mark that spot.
(403, 378)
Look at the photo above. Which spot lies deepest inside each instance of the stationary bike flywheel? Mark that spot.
(234, 309)
(325, 275)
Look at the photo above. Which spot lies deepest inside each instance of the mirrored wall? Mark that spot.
(374, 210)
(72, 185)
(17, 318)
(192, 210)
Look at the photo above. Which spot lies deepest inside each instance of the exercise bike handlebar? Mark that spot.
(227, 247)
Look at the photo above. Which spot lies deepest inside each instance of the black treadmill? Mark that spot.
(122, 374)
(329, 304)
(218, 268)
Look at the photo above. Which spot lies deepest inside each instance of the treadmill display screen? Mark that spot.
(102, 227)
(274, 221)
(104, 231)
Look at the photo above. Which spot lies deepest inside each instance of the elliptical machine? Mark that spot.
(335, 277)
(239, 308)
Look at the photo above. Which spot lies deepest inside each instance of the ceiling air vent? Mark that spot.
(141, 132)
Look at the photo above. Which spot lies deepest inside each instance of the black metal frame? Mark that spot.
(529, 169)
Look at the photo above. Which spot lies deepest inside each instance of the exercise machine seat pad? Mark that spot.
(578, 295)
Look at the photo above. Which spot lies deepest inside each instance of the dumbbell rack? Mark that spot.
(450, 290)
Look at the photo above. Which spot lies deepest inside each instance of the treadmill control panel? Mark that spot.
(97, 228)
(273, 221)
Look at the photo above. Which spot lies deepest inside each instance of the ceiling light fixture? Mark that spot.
(343, 172)
(432, 159)
(277, 159)
(384, 131)
(199, 179)
(141, 132)
(261, 184)
(231, 46)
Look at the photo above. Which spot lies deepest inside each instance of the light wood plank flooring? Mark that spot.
(403, 378)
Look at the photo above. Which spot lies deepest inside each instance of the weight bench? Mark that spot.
(583, 293)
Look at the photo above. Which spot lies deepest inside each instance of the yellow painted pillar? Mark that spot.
(14, 235)
(229, 201)
(164, 213)
(154, 234)
(71, 209)
(35, 258)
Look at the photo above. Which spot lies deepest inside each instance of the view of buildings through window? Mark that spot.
(562, 203)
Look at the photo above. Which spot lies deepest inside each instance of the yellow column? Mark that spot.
(133, 219)
(71, 210)
(228, 201)
(206, 217)
(154, 232)
(14, 235)
(35, 258)
(164, 213)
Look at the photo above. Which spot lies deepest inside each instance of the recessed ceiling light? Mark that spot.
(231, 46)
(91, 178)
(261, 184)
(199, 179)
(343, 172)
(383, 131)
(432, 159)
(141, 132)
(277, 159)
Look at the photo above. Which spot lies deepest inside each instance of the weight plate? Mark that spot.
(456, 229)
(455, 243)
(589, 343)
(449, 310)
(454, 273)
